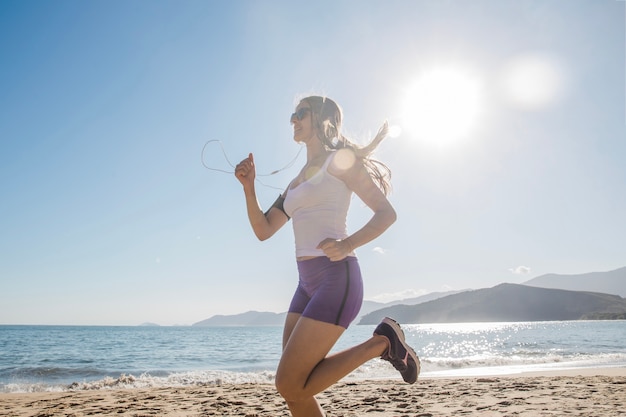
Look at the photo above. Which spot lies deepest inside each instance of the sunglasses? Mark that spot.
(300, 114)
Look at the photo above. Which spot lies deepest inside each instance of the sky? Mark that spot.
(507, 149)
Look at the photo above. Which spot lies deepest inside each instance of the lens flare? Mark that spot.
(344, 159)
(533, 81)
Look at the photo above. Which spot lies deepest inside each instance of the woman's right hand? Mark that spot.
(245, 171)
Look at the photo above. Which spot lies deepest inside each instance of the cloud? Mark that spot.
(520, 270)
(380, 250)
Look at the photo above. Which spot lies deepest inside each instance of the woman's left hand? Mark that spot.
(335, 249)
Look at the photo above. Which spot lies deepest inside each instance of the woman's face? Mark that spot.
(302, 121)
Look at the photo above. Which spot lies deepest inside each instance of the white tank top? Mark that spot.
(318, 209)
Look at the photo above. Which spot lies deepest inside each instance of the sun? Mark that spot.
(442, 106)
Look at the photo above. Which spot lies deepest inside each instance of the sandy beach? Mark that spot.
(590, 392)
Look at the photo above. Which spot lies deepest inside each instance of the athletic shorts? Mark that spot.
(329, 291)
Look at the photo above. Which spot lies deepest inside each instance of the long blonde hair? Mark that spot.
(327, 120)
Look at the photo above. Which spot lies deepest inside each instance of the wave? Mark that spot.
(148, 380)
(49, 373)
(375, 369)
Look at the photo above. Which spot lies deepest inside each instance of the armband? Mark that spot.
(279, 205)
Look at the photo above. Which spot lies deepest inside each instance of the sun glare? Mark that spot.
(442, 106)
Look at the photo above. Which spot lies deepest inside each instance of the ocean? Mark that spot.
(58, 358)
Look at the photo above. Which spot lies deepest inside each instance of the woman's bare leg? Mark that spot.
(305, 370)
(310, 406)
(290, 323)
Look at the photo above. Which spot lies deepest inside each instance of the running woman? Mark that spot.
(330, 289)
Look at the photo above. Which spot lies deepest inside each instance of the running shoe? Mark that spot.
(399, 354)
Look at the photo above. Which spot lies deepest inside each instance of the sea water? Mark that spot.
(56, 358)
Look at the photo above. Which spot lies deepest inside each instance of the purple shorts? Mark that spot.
(329, 291)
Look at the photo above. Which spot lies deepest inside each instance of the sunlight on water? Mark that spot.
(513, 346)
(499, 348)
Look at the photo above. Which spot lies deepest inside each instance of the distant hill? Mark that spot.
(611, 282)
(257, 318)
(369, 306)
(582, 296)
(250, 318)
(507, 302)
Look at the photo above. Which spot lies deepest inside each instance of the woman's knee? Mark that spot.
(289, 387)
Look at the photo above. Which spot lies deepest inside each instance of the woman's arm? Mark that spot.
(360, 182)
(264, 225)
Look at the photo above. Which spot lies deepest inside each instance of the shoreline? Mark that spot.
(577, 392)
(218, 378)
(505, 372)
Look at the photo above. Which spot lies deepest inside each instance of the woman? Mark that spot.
(330, 290)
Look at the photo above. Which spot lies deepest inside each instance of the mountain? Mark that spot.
(369, 306)
(256, 318)
(250, 318)
(611, 282)
(507, 302)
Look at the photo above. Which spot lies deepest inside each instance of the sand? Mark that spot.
(593, 392)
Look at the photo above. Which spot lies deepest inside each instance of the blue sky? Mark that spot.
(109, 217)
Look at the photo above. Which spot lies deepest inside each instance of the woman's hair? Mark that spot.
(327, 117)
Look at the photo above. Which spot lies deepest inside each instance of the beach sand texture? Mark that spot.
(571, 395)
